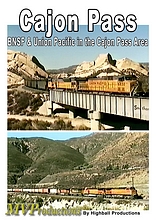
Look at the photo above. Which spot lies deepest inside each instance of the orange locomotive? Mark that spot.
(121, 192)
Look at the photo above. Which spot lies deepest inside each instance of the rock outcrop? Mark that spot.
(21, 65)
(104, 65)
(25, 66)
(126, 65)
(14, 79)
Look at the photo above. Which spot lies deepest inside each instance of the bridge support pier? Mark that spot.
(71, 114)
(95, 119)
(51, 107)
(126, 128)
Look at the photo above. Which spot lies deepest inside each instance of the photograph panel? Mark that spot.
(99, 83)
(79, 170)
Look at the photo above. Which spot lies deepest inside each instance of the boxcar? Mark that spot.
(26, 190)
(36, 190)
(45, 190)
(64, 191)
(53, 191)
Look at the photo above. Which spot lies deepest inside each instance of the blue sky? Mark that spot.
(57, 57)
(55, 135)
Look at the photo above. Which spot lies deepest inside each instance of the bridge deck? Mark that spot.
(134, 107)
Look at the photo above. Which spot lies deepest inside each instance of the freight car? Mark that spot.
(125, 84)
(122, 192)
(40, 84)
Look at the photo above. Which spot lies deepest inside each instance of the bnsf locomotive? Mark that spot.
(121, 192)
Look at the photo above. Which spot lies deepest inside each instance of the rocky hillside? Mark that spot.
(92, 144)
(127, 66)
(62, 72)
(130, 150)
(105, 65)
(21, 65)
(100, 159)
(109, 158)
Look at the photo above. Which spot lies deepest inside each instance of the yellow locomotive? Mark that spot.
(125, 84)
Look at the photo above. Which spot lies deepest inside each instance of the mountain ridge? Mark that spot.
(107, 157)
(22, 65)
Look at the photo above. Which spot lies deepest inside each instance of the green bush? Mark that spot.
(39, 201)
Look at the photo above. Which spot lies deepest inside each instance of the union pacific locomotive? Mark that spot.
(125, 84)
(121, 192)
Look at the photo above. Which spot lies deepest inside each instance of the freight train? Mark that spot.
(121, 192)
(123, 84)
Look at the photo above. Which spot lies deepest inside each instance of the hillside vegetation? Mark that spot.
(108, 156)
(92, 144)
(44, 156)
(17, 163)
(23, 102)
(95, 160)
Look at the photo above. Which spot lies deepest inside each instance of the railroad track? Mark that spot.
(144, 201)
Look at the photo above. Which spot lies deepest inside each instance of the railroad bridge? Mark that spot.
(96, 103)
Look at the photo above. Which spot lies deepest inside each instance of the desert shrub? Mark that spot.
(99, 199)
(32, 113)
(12, 124)
(12, 179)
(146, 207)
(144, 82)
(109, 167)
(85, 207)
(18, 102)
(39, 201)
(41, 125)
(15, 124)
(123, 201)
(61, 125)
(35, 103)
(22, 100)
(81, 127)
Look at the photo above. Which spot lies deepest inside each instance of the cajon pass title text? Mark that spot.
(107, 23)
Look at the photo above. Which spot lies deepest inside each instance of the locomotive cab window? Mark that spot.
(73, 83)
(121, 78)
(129, 78)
